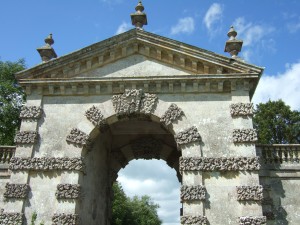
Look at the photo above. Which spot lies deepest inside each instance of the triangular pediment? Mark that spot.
(137, 53)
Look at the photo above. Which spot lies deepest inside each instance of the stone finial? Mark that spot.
(139, 18)
(233, 46)
(47, 52)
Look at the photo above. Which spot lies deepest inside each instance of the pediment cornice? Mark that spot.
(189, 58)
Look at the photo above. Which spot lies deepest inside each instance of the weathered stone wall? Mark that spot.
(280, 177)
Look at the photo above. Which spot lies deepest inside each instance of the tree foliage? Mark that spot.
(133, 211)
(276, 123)
(11, 99)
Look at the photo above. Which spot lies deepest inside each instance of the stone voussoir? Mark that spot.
(172, 114)
(188, 136)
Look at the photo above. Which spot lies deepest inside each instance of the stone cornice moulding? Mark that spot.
(46, 164)
(94, 115)
(219, 164)
(190, 193)
(253, 220)
(77, 137)
(159, 84)
(249, 193)
(172, 114)
(62, 218)
(31, 112)
(26, 137)
(244, 136)
(241, 109)
(11, 218)
(199, 220)
(188, 136)
(68, 191)
(16, 190)
(141, 42)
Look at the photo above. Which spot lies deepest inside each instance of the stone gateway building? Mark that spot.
(139, 95)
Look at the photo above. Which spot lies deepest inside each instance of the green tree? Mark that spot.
(11, 99)
(133, 211)
(276, 123)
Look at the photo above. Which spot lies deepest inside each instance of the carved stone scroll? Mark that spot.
(244, 135)
(95, 116)
(249, 193)
(26, 137)
(46, 164)
(219, 164)
(192, 192)
(11, 218)
(241, 109)
(199, 220)
(76, 136)
(65, 219)
(173, 113)
(134, 101)
(147, 148)
(68, 191)
(16, 190)
(253, 220)
(187, 136)
(30, 112)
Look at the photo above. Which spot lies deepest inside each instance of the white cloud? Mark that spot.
(293, 27)
(256, 38)
(156, 179)
(123, 28)
(213, 15)
(251, 33)
(285, 86)
(184, 25)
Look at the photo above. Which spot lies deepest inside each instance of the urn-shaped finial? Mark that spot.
(233, 46)
(47, 52)
(139, 18)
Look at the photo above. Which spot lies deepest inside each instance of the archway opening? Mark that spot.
(125, 140)
(157, 180)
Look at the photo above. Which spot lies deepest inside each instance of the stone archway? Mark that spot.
(134, 131)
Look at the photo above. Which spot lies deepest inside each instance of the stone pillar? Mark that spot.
(26, 141)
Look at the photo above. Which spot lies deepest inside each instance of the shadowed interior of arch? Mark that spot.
(109, 151)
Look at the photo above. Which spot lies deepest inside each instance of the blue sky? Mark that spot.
(270, 30)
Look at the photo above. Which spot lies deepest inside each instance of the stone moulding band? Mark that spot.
(172, 114)
(244, 135)
(31, 112)
(65, 219)
(253, 220)
(219, 164)
(46, 164)
(11, 218)
(26, 137)
(16, 190)
(192, 192)
(95, 116)
(68, 191)
(77, 136)
(134, 101)
(241, 109)
(187, 136)
(249, 193)
(199, 220)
